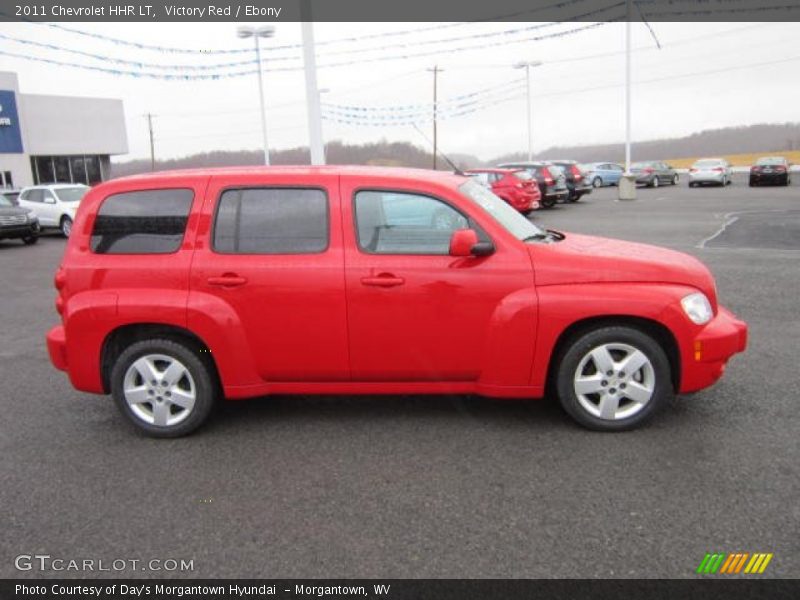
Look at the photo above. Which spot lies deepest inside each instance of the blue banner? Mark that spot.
(10, 136)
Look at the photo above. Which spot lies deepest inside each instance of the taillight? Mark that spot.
(648, 171)
(576, 172)
(60, 279)
(780, 169)
(692, 170)
(717, 169)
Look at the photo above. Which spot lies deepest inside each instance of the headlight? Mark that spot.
(697, 308)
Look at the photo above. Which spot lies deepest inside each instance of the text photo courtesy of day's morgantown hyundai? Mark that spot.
(344, 298)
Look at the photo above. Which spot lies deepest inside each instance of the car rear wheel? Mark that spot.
(675, 179)
(597, 182)
(655, 182)
(164, 388)
(29, 240)
(613, 378)
(66, 226)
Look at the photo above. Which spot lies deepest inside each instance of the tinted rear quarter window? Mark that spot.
(142, 222)
(271, 221)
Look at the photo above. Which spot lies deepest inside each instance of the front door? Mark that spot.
(415, 313)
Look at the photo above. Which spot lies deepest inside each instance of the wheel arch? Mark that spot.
(123, 336)
(658, 331)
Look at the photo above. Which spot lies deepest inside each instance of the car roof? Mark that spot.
(370, 172)
(53, 186)
(493, 170)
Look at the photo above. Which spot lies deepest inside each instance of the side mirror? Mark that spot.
(464, 242)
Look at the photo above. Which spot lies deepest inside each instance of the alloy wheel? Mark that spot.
(159, 390)
(614, 381)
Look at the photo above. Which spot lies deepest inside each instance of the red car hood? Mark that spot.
(589, 259)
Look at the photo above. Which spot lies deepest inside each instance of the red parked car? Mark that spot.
(178, 289)
(515, 186)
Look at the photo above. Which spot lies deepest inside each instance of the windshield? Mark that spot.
(71, 194)
(5, 202)
(509, 218)
(641, 165)
(770, 161)
(523, 175)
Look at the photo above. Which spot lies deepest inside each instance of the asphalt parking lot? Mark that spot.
(425, 486)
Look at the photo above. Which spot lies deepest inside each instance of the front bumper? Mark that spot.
(19, 231)
(704, 360)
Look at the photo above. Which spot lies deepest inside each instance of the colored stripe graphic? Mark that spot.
(733, 563)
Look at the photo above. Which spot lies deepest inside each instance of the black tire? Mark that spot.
(752, 183)
(548, 202)
(198, 367)
(675, 179)
(597, 182)
(655, 183)
(692, 184)
(658, 371)
(66, 226)
(29, 240)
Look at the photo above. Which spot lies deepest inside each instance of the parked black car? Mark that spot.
(771, 169)
(577, 183)
(551, 180)
(17, 223)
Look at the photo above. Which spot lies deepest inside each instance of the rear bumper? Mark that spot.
(706, 177)
(57, 347)
(769, 177)
(705, 360)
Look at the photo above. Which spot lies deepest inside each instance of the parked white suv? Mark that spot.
(54, 204)
(710, 170)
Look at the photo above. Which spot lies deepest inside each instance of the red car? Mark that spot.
(178, 289)
(515, 186)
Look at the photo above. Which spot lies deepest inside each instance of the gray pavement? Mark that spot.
(421, 486)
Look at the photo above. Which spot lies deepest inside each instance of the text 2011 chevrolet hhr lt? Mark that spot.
(178, 289)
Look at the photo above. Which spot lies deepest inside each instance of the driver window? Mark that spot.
(405, 223)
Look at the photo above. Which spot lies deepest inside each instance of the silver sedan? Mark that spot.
(710, 170)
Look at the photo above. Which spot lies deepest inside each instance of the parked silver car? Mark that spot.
(710, 170)
(654, 173)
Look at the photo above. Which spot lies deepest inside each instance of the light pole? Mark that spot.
(527, 64)
(261, 32)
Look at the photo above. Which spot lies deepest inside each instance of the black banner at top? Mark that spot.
(394, 10)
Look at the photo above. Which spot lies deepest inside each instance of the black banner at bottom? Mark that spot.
(398, 589)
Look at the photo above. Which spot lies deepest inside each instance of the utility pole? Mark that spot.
(316, 145)
(266, 31)
(435, 70)
(149, 117)
(527, 66)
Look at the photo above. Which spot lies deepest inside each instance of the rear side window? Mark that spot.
(272, 221)
(142, 222)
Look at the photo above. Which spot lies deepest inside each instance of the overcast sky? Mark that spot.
(706, 82)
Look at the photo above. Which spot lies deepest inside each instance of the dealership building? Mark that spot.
(57, 139)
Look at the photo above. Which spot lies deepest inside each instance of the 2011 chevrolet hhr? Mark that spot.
(178, 289)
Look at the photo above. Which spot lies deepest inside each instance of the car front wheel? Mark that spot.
(164, 388)
(613, 378)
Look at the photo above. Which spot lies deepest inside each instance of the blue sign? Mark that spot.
(10, 136)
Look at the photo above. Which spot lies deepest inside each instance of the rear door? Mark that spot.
(270, 258)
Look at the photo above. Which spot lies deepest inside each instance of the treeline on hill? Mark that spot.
(729, 140)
